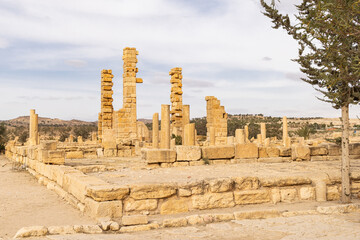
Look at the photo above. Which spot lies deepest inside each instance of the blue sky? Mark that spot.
(52, 52)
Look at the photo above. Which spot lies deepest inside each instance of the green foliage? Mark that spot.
(178, 139)
(235, 123)
(305, 131)
(3, 137)
(84, 131)
(23, 136)
(206, 161)
(200, 125)
(328, 35)
(337, 140)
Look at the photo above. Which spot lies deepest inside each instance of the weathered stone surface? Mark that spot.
(288, 195)
(188, 153)
(257, 214)
(175, 222)
(318, 151)
(246, 183)
(183, 192)
(89, 229)
(138, 228)
(48, 145)
(134, 220)
(114, 226)
(334, 150)
(273, 151)
(140, 205)
(300, 153)
(195, 220)
(175, 205)
(152, 191)
(75, 155)
(298, 213)
(343, 208)
(107, 192)
(218, 152)
(52, 156)
(319, 158)
(159, 155)
(307, 193)
(221, 185)
(332, 193)
(180, 164)
(354, 149)
(275, 195)
(251, 196)
(248, 150)
(284, 181)
(221, 217)
(103, 209)
(284, 152)
(263, 153)
(213, 200)
(34, 231)
(105, 225)
(60, 230)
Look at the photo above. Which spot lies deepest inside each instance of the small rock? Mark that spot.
(134, 220)
(91, 229)
(114, 226)
(54, 230)
(105, 225)
(34, 231)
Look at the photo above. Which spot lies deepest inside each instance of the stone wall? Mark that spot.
(216, 119)
(105, 120)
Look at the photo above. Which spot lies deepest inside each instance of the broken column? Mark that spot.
(34, 128)
(165, 127)
(263, 131)
(285, 132)
(216, 117)
(155, 130)
(106, 114)
(126, 117)
(246, 129)
(189, 134)
(185, 118)
(176, 101)
(240, 136)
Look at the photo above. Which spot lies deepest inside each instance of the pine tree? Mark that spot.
(328, 34)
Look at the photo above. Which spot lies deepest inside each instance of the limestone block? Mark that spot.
(334, 150)
(262, 214)
(175, 205)
(288, 195)
(140, 205)
(354, 149)
(284, 152)
(273, 151)
(195, 220)
(263, 153)
(307, 193)
(247, 150)
(159, 155)
(61, 230)
(52, 156)
(221, 185)
(138, 228)
(152, 191)
(175, 222)
(112, 209)
(75, 155)
(34, 231)
(319, 158)
(246, 183)
(221, 217)
(134, 220)
(300, 153)
(333, 193)
(318, 151)
(88, 229)
(251, 196)
(188, 153)
(275, 195)
(114, 226)
(183, 192)
(110, 152)
(213, 200)
(107, 192)
(48, 145)
(218, 152)
(284, 181)
(180, 164)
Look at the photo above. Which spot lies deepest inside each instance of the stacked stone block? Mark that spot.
(126, 117)
(217, 119)
(176, 101)
(106, 115)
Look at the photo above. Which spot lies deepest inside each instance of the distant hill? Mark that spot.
(43, 121)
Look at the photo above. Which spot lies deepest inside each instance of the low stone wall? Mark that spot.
(249, 152)
(81, 150)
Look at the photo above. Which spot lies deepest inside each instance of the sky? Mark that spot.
(52, 54)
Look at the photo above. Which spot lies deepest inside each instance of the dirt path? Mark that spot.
(24, 202)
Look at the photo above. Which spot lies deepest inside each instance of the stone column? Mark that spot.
(246, 131)
(263, 131)
(259, 139)
(189, 135)
(165, 127)
(185, 119)
(33, 128)
(285, 130)
(155, 130)
(240, 136)
(212, 136)
(71, 138)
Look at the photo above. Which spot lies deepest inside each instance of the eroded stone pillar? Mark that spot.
(71, 138)
(185, 119)
(165, 127)
(285, 131)
(240, 136)
(155, 131)
(246, 129)
(176, 101)
(33, 128)
(189, 135)
(216, 117)
(263, 131)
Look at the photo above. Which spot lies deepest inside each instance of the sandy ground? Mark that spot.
(24, 202)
